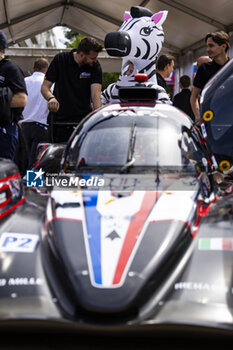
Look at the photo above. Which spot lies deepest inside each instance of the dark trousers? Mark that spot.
(8, 141)
(60, 133)
(60, 129)
(33, 133)
(21, 158)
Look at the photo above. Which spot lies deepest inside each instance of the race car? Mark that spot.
(129, 237)
(216, 112)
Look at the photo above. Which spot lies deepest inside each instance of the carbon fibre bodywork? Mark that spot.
(216, 112)
(121, 260)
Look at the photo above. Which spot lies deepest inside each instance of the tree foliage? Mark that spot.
(109, 78)
(73, 37)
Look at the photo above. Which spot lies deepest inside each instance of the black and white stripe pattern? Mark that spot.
(111, 93)
(146, 39)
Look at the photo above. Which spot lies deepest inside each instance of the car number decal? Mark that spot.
(18, 242)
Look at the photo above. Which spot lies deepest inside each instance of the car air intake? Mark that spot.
(138, 94)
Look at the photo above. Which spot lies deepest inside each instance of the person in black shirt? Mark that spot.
(164, 68)
(182, 99)
(217, 45)
(78, 80)
(13, 98)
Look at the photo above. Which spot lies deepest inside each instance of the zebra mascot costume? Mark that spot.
(139, 41)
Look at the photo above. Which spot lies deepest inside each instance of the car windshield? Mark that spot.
(143, 143)
(105, 147)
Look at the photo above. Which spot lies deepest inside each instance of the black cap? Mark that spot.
(3, 41)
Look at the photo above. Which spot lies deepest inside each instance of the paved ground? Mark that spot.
(66, 342)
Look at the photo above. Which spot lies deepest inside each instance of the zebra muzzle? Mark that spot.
(118, 44)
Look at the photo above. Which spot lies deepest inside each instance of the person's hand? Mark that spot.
(197, 122)
(53, 105)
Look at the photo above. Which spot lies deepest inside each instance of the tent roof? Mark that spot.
(187, 23)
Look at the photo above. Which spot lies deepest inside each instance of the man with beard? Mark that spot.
(217, 45)
(78, 80)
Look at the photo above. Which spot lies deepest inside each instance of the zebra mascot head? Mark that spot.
(138, 41)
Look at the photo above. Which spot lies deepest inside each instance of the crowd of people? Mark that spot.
(45, 106)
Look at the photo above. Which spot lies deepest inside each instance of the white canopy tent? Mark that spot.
(187, 23)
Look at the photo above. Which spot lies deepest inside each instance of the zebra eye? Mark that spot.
(145, 31)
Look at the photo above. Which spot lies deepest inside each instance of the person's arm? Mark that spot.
(95, 95)
(194, 101)
(53, 104)
(17, 86)
(174, 102)
(19, 99)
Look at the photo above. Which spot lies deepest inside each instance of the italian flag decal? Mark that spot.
(215, 244)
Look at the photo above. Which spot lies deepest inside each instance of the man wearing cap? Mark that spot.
(13, 98)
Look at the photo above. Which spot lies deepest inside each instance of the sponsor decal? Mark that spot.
(200, 286)
(224, 165)
(85, 75)
(215, 164)
(21, 281)
(203, 129)
(208, 115)
(18, 242)
(113, 235)
(215, 244)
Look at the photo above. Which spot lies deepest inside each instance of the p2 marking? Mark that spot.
(18, 242)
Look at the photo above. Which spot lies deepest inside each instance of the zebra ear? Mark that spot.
(127, 16)
(159, 17)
